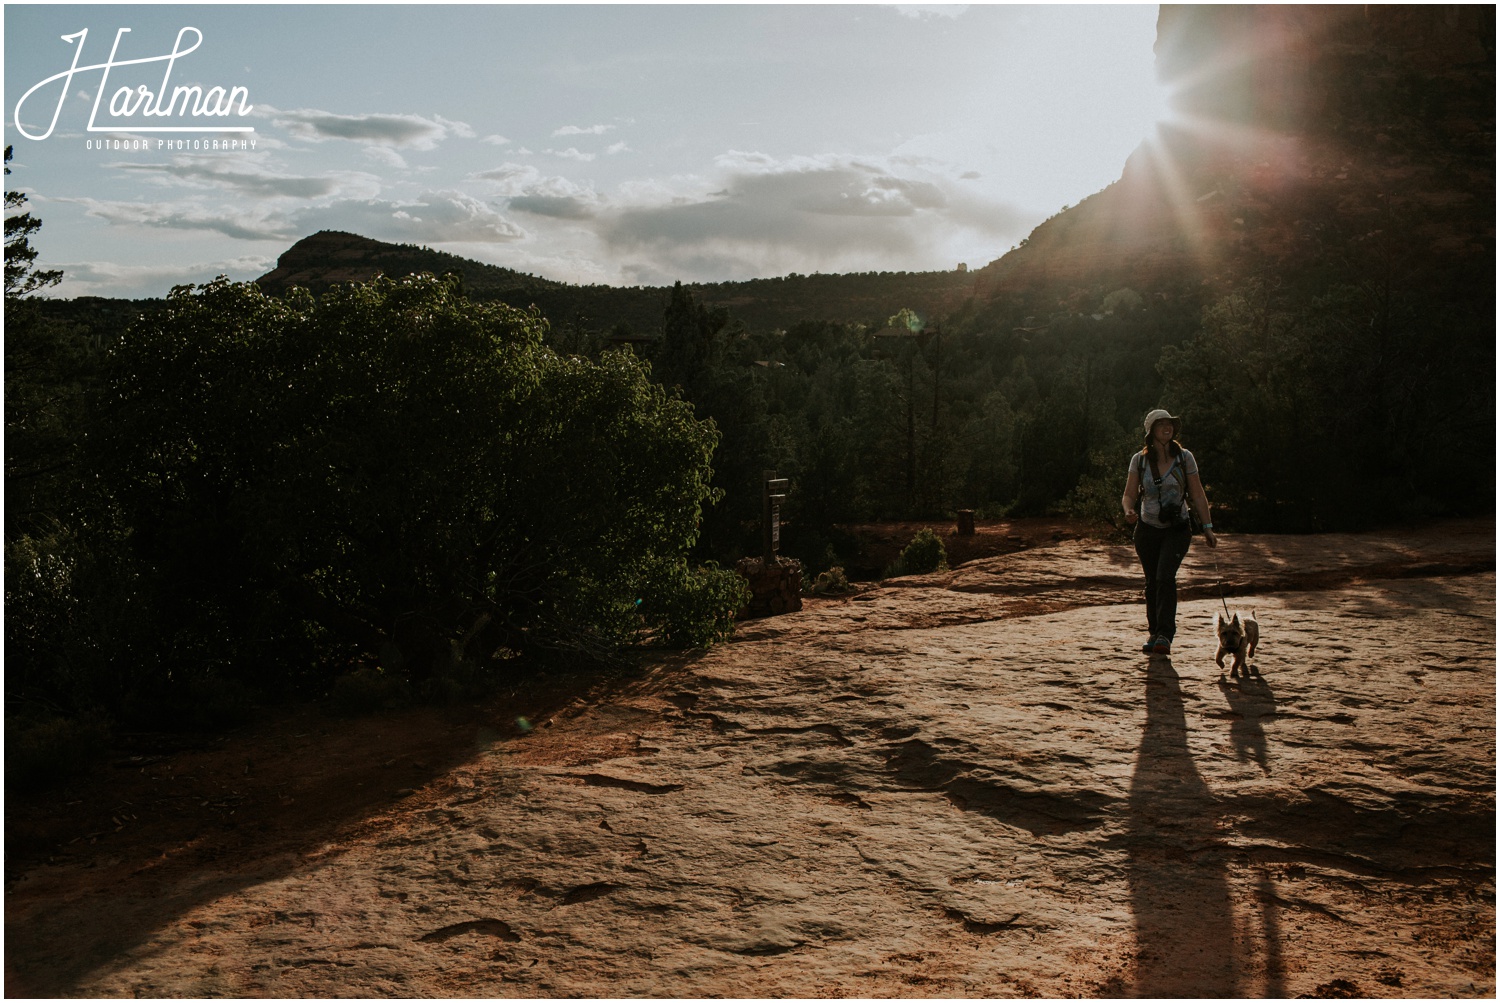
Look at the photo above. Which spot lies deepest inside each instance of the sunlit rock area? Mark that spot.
(965, 784)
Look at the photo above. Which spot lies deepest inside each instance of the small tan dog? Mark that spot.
(1237, 638)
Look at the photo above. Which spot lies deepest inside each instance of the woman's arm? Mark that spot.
(1200, 505)
(1132, 493)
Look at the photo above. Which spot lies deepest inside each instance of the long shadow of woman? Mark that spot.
(1179, 893)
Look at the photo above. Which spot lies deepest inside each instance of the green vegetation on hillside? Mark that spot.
(583, 315)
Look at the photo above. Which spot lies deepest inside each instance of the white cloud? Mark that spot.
(573, 130)
(528, 190)
(678, 188)
(510, 178)
(231, 221)
(107, 278)
(247, 176)
(619, 147)
(764, 216)
(558, 206)
(392, 130)
(739, 160)
(572, 153)
(921, 11)
(495, 140)
(460, 129)
(433, 217)
(386, 157)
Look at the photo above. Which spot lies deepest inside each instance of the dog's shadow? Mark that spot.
(1250, 701)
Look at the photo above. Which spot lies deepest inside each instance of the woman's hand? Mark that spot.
(1131, 516)
(1209, 538)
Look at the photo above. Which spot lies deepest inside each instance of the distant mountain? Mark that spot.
(329, 257)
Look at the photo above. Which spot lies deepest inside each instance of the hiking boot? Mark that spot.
(1149, 646)
(1162, 645)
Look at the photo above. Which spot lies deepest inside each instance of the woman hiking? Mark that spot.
(1163, 478)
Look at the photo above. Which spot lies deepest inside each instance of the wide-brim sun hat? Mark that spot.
(1152, 417)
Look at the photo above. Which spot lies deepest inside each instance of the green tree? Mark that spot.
(991, 437)
(702, 355)
(692, 342)
(46, 369)
(390, 473)
(22, 277)
(905, 319)
(1316, 412)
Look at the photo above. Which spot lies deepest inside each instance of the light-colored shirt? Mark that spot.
(1169, 490)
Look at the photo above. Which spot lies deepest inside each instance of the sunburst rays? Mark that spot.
(1213, 136)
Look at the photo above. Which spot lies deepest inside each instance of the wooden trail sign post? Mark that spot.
(775, 582)
(773, 495)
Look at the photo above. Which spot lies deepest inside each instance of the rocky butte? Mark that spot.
(1303, 136)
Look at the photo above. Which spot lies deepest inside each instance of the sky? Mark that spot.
(617, 144)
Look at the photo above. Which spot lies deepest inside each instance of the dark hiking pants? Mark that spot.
(1161, 552)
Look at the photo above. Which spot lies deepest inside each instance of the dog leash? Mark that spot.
(1220, 576)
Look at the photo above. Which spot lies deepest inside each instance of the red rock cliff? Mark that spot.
(1303, 133)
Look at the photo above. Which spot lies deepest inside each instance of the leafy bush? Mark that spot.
(833, 581)
(44, 749)
(367, 689)
(695, 607)
(393, 473)
(76, 619)
(923, 555)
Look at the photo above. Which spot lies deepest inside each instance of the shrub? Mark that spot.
(394, 472)
(831, 581)
(367, 689)
(694, 607)
(923, 555)
(44, 749)
(76, 620)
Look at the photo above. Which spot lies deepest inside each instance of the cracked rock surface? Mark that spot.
(965, 784)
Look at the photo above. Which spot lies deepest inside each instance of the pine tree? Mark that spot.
(22, 277)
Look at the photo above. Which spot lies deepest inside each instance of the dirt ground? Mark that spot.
(963, 784)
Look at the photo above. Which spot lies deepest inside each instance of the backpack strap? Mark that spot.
(1177, 470)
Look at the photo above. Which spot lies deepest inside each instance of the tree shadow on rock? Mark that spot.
(159, 836)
